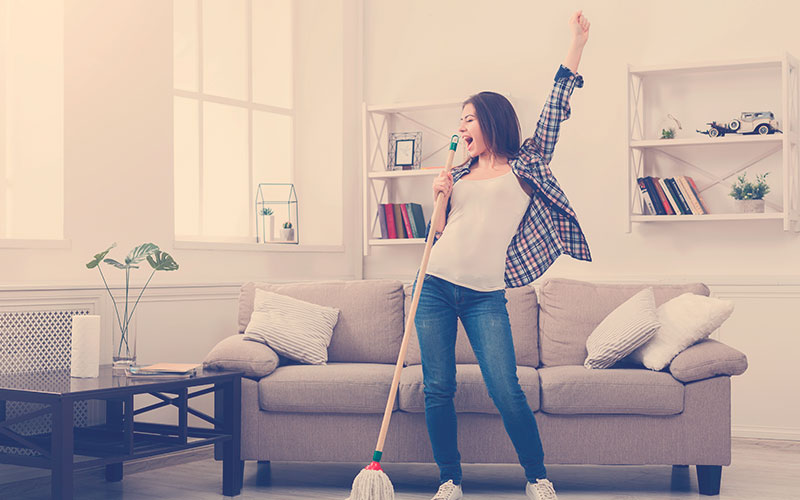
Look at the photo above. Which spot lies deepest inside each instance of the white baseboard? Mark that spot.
(759, 432)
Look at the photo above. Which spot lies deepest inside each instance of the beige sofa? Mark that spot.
(680, 416)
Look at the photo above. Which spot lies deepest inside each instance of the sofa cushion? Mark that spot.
(523, 314)
(255, 359)
(471, 393)
(370, 326)
(571, 390)
(707, 358)
(331, 388)
(569, 310)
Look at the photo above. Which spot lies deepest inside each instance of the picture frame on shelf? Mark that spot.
(405, 150)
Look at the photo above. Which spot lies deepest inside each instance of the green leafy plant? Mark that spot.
(158, 260)
(746, 190)
(287, 225)
(667, 133)
(266, 211)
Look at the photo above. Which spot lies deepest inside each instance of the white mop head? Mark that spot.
(372, 485)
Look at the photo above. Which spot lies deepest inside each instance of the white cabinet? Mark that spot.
(699, 93)
(437, 121)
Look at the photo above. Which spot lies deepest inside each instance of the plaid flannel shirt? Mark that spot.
(550, 226)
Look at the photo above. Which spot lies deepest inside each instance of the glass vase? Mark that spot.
(123, 345)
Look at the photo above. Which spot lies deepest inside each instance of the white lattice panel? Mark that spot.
(31, 342)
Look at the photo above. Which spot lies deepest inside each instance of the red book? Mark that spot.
(663, 197)
(406, 220)
(390, 227)
(696, 192)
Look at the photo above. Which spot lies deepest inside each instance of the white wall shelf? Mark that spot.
(706, 92)
(436, 120)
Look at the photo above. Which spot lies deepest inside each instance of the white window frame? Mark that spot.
(200, 97)
(5, 241)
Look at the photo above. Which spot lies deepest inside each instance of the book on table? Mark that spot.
(165, 370)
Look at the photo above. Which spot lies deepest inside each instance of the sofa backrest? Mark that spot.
(370, 325)
(569, 310)
(523, 316)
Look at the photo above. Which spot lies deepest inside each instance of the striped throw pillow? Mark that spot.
(628, 327)
(294, 328)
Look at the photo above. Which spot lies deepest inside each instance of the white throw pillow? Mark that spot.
(626, 328)
(685, 320)
(294, 328)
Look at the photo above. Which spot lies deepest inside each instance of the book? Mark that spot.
(398, 221)
(663, 197)
(382, 221)
(670, 198)
(411, 218)
(647, 204)
(687, 196)
(690, 196)
(678, 196)
(165, 370)
(651, 190)
(419, 219)
(697, 194)
(391, 228)
(406, 221)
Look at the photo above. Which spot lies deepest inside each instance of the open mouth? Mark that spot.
(468, 140)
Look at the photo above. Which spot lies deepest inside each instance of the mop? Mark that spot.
(372, 483)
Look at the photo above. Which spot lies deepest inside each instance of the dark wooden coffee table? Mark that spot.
(121, 438)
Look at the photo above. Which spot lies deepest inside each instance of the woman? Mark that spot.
(506, 220)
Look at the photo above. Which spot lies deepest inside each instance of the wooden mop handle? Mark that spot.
(387, 414)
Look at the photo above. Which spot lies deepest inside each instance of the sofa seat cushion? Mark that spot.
(576, 390)
(471, 393)
(331, 388)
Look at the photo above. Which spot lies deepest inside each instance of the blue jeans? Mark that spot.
(485, 320)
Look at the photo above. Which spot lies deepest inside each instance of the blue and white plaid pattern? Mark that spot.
(550, 226)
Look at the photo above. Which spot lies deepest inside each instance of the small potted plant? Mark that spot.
(287, 232)
(269, 230)
(749, 196)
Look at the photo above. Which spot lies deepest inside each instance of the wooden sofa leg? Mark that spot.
(264, 473)
(709, 478)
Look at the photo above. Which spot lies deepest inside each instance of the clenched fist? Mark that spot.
(443, 184)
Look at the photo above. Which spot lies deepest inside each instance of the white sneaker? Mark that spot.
(448, 491)
(542, 489)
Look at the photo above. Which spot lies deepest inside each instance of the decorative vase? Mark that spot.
(123, 345)
(287, 233)
(749, 206)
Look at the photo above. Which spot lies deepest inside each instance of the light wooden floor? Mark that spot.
(761, 470)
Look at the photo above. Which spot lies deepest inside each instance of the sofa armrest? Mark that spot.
(706, 359)
(255, 359)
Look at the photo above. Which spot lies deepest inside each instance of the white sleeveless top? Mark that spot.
(484, 216)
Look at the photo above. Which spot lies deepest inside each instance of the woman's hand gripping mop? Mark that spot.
(372, 483)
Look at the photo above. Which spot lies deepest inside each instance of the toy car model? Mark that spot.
(760, 122)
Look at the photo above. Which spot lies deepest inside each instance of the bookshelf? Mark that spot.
(698, 93)
(437, 120)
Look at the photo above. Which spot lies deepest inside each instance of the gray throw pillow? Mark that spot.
(255, 359)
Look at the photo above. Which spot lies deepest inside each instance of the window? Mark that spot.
(31, 119)
(233, 112)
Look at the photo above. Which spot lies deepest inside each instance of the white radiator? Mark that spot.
(35, 341)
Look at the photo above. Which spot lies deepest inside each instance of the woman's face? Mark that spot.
(470, 131)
